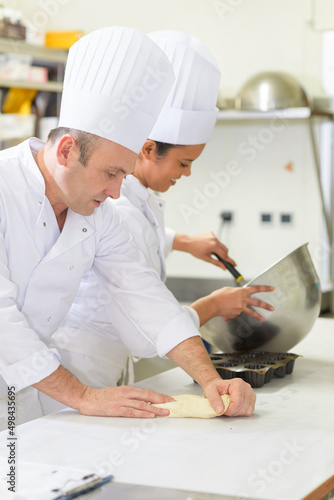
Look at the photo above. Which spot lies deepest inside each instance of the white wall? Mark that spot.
(260, 181)
(246, 36)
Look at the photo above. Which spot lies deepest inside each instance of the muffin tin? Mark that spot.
(256, 368)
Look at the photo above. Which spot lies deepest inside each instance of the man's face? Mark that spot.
(84, 188)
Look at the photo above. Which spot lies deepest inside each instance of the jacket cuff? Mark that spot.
(178, 329)
(169, 240)
(193, 315)
(30, 370)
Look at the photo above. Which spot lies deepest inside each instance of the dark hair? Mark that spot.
(87, 143)
(162, 148)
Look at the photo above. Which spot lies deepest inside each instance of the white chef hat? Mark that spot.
(189, 113)
(116, 82)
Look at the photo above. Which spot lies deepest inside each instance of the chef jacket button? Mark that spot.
(44, 224)
(160, 204)
(49, 318)
(71, 268)
(84, 230)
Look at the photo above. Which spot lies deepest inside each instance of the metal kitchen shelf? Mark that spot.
(35, 51)
(46, 55)
(289, 113)
(53, 59)
(23, 84)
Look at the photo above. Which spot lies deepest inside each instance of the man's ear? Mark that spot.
(66, 146)
(149, 150)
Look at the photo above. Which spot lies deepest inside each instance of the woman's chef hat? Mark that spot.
(116, 82)
(190, 111)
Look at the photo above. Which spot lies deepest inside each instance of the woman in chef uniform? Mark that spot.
(178, 138)
(184, 126)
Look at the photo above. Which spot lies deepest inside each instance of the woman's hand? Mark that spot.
(229, 302)
(202, 246)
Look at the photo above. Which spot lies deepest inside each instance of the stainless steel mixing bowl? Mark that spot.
(269, 91)
(296, 299)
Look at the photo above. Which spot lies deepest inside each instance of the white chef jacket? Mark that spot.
(42, 269)
(143, 213)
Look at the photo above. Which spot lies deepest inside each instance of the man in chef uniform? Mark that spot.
(55, 228)
(96, 337)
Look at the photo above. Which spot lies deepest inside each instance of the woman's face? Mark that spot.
(160, 173)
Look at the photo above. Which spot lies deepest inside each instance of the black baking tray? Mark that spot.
(256, 368)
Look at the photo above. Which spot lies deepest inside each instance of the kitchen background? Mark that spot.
(251, 168)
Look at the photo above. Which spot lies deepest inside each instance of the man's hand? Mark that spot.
(202, 246)
(242, 396)
(123, 401)
(195, 360)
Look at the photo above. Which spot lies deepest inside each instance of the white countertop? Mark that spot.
(284, 451)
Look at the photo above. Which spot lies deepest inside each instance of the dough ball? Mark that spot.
(192, 406)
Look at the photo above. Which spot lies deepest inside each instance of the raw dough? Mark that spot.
(192, 406)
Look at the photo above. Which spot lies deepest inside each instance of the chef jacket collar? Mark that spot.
(33, 174)
(35, 178)
(134, 185)
(135, 190)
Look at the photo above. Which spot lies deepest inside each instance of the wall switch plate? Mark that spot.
(286, 218)
(266, 218)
